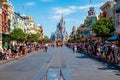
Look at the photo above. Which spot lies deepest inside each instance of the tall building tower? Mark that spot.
(88, 22)
(60, 33)
(91, 18)
(91, 12)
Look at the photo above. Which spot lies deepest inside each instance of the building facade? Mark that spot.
(40, 31)
(73, 33)
(29, 25)
(10, 17)
(107, 10)
(117, 15)
(5, 6)
(89, 21)
(18, 21)
(5, 31)
(91, 18)
(26, 24)
(111, 9)
(83, 30)
(10, 20)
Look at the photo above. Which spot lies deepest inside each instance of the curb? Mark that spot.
(6, 61)
(12, 59)
(103, 60)
(9, 60)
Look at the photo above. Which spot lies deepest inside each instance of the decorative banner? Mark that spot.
(3, 12)
(6, 25)
(3, 24)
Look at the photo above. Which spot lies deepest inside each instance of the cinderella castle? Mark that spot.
(60, 33)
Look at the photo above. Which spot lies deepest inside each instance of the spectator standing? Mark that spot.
(46, 46)
(5, 46)
(118, 58)
(75, 48)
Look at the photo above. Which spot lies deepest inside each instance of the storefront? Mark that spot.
(4, 23)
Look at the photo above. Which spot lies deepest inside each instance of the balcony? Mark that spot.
(4, 0)
(5, 4)
(118, 9)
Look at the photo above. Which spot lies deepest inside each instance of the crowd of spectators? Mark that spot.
(107, 51)
(11, 51)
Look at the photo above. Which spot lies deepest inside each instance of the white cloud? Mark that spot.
(30, 3)
(73, 21)
(71, 9)
(66, 11)
(46, 0)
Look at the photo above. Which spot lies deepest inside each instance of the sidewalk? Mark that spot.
(103, 60)
(6, 61)
(12, 59)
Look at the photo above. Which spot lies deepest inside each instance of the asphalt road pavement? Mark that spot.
(73, 66)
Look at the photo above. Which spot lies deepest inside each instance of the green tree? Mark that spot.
(71, 39)
(80, 36)
(46, 39)
(103, 27)
(18, 35)
(33, 37)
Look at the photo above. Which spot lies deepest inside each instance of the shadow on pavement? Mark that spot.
(118, 74)
(107, 68)
(78, 55)
(111, 68)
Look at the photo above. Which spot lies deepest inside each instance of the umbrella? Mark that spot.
(113, 37)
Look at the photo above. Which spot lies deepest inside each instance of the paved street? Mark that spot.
(61, 62)
(82, 67)
(25, 68)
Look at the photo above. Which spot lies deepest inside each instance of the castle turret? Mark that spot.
(60, 33)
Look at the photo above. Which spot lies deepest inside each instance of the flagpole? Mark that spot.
(23, 10)
(90, 3)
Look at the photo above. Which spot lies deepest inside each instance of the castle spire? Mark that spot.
(90, 3)
(62, 16)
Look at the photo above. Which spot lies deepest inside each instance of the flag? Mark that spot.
(23, 9)
(90, 1)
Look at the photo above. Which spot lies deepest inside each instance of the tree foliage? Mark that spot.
(104, 27)
(33, 37)
(17, 34)
(71, 39)
(46, 39)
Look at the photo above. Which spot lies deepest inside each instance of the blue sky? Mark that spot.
(48, 12)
